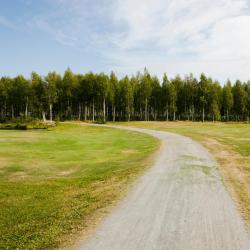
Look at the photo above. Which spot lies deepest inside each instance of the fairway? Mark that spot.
(57, 182)
(230, 145)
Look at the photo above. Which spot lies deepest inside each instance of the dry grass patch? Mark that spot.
(236, 172)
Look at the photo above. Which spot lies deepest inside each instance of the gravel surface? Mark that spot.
(180, 203)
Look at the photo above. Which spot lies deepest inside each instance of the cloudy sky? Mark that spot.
(172, 36)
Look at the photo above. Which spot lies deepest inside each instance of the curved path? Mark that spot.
(180, 203)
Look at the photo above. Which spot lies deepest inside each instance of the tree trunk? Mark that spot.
(146, 109)
(167, 114)
(12, 112)
(68, 110)
(104, 110)
(186, 115)
(227, 115)
(79, 111)
(26, 110)
(50, 113)
(93, 111)
(203, 113)
(174, 116)
(44, 117)
(113, 113)
(4, 111)
(128, 113)
(1, 113)
(85, 112)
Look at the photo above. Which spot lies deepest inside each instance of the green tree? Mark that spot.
(214, 100)
(68, 82)
(166, 94)
(18, 96)
(175, 88)
(103, 82)
(53, 80)
(248, 98)
(203, 93)
(39, 95)
(3, 99)
(112, 93)
(190, 93)
(227, 99)
(146, 88)
(92, 86)
(5, 86)
(127, 97)
(140, 97)
(155, 99)
(240, 100)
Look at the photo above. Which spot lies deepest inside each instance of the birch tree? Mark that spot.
(53, 80)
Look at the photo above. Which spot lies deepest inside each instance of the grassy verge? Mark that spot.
(55, 182)
(229, 143)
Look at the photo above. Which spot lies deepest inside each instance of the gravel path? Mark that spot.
(180, 203)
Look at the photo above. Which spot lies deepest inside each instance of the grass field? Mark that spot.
(230, 145)
(58, 182)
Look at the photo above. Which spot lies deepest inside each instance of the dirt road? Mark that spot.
(180, 203)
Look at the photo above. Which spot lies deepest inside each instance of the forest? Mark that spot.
(102, 97)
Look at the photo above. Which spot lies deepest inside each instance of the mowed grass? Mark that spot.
(56, 183)
(230, 145)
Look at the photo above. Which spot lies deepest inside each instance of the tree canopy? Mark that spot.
(142, 96)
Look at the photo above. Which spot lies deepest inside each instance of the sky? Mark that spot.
(172, 36)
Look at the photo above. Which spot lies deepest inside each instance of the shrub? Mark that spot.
(100, 120)
(13, 126)
(34, 124)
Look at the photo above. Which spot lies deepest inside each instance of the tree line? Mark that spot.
(142, 96)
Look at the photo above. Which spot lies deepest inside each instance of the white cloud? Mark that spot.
(229, 39)
(168, 22)
(181, 36)
(176, 36)
(75, 23)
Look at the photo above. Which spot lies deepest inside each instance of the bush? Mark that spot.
(34, 124)
(100, 120)
(21, 126)
(37, 124)
(13, 126)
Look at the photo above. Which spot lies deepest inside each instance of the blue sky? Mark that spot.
(172, 36)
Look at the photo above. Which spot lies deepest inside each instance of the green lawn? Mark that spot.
(53, 183)
(230, 145)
